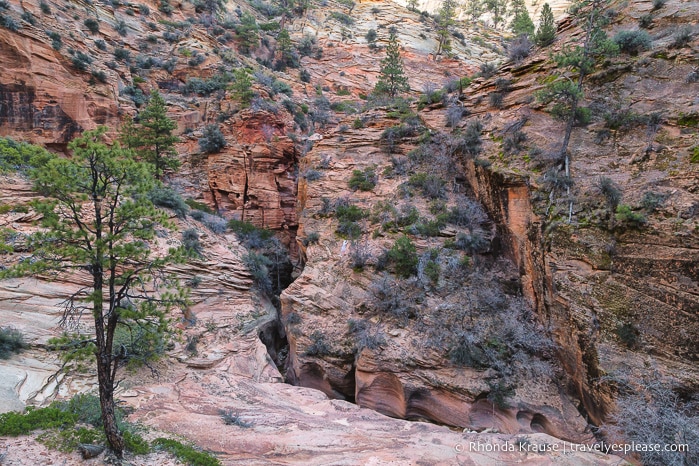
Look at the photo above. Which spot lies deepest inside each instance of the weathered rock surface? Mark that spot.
(589, 279)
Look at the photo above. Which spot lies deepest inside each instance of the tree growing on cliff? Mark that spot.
(151, 137)
(445, 20)
(546, 33)
(497, 10)
(522, 23)
(97, 220)
(241, 88)
(575, 63)
(392, 79)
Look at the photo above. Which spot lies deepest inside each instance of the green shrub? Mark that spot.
(682, 37)
(212, 140)
(632, 42)
(99, 75)
(141, 342)
(87, 407)
(349, 215)
(652, 201)
(403, 255)
(134, 443)
(312, 238)
(186, 453)
(250, 235)
(628, 334)
(342, 18)
(167, 197)
(92, 25)
(122, 54)
(21, 156)
(196, 205)
(611, 192)
(363, 180)
(80, 61)
(13, 424)
(191, 243)
(319, 346)
(11, 341)
(259, 267)
(627, 217)
(120, 28)
(468, 355)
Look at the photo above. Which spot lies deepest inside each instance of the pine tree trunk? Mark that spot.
(106, 391)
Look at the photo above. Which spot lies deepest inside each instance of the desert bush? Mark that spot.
(92, 25)
(611, 192)
(632, 42)
(455, 113)
(311, 174)
(650, 412)
(495, 99)
(651, 201)
(359, 255)
(388, 298)
(342, 18)
(519, 48)
(312, 238)
(234, 419)
(186, 453)
(658, 4)
(319, 345)
(628, 218)
(349, 216)
(190, 242)
(645, 21)
(167, 197)
(513, 143)
(628, 334)
(120, 28)
(467, 213)
(212, 140)
(365, 336)
(363, 180)
(470, 143)
(403, 255)
(474, 242)
(122, 54)
(11, 341)
(81, 60)
(258, 265)
(682, 37)
(487, 70)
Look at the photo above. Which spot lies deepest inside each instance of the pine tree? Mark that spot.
(546, 33)
(577, 59)
(247, 32)
(242, 87)
(522, 23)
(474, 9)
(98, 219)
(151, 138)
(445, 20)
(284, 45)
(392, 79)
(412, 5)
(498, 10)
